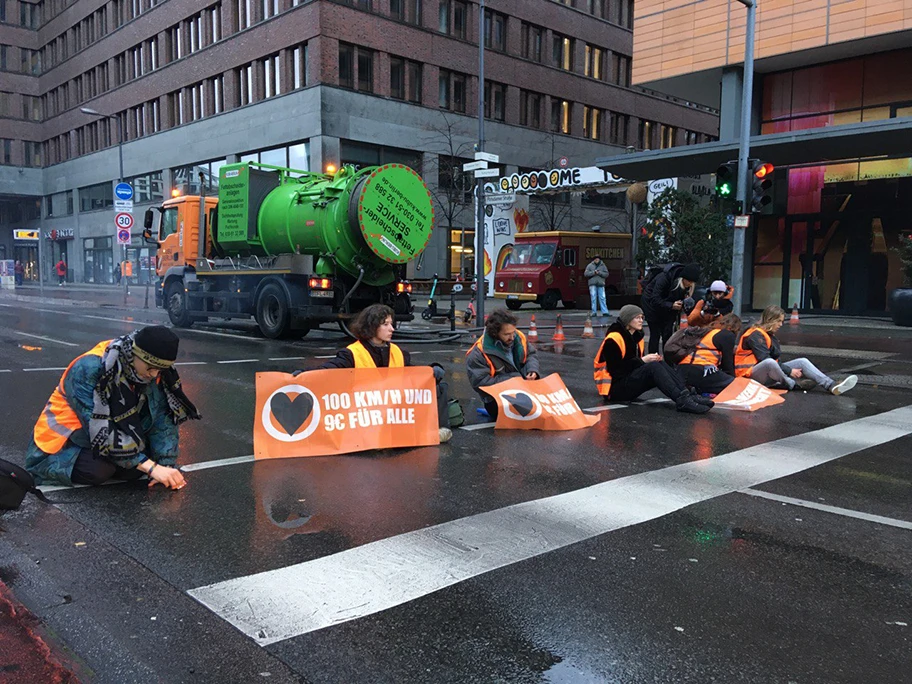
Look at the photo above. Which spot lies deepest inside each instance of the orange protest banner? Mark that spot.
(341, 411)
(745, 394)
(544, 404)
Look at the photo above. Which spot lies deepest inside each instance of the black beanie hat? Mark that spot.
(691, 272)
(156, 345)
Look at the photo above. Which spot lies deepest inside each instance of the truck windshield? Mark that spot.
(168, 223)
(540, 253)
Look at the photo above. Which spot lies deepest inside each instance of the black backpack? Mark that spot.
(653, 271)
(15, 483)
(683, 344)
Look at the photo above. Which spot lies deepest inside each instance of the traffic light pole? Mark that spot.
(744, 188)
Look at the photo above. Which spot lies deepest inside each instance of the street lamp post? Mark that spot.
(744, 190)
(480, 286)
(120, 179)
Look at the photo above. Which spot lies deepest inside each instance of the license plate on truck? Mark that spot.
(321, 293)
(512, 296)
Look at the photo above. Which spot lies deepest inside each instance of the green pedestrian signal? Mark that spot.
(727, 180)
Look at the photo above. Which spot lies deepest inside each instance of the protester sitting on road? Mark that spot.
(663, 300)
(757, 357)
(622, 373)
(717, 303)
(114, 415)
(711, 367)
(373, 327)
(501, 353)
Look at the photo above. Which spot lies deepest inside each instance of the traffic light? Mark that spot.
(727, 181)
(762, 179)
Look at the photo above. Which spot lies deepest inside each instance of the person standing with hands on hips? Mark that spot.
(114, 415)
(663, 300)
(597, 272)
(622, 373)
(501, 353)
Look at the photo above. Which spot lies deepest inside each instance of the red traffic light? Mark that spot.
(764, 170)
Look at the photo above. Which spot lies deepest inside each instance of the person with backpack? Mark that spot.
(596, 273)
(622, 373)
(758, 353)
(114, 415)
(664, 292)
(373, 348)
(705, 357)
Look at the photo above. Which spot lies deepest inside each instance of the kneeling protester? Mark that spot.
(544, 404)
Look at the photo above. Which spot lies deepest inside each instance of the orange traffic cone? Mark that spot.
(533, 331)
(559, 331)
(794, 318)
(587, 330)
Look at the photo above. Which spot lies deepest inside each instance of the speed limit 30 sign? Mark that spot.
(124, 220)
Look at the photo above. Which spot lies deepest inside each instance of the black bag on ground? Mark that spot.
(15, 483)
(683, 344)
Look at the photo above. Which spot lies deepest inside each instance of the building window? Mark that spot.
(365, 70)
(413, 75)
(453, 18)
(618, 133)
(271, 76)
(532, 37)
(29, 15)
(621, 70)
(597, 8)
(408, 11)
(595, 62)
(562, 52)
(346, 65)
(494, 100)
(215, 22)
(405, 79)
(452, 91)
(592, 123)
(94, 197)
(147, 188)
(495, 30)
(32, 153)
(560, 116)
(530, 109)
(270, 8)
(356, 66)
(299, 69)
(244, 14)
(645, 135)
(60, 204)
(691, 137)
(245, 85)
(31, 108)
(667, 136)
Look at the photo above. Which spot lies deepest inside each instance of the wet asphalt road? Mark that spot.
(733, 588)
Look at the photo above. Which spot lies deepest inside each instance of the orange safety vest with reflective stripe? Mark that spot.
(744, 357)
(480, 344)
(705, 353)
(600, 368)
(363, 359)
(58, 420)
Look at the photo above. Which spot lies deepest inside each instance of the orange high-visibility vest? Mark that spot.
(600, 368)
(58, 420)
(706, 353)
(363, 359)
(744, 357)
(480, 344)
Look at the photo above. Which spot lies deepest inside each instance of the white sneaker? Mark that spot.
(445, 435)
(845, 385)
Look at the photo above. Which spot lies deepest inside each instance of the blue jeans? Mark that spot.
(768, 372)
(597, 294)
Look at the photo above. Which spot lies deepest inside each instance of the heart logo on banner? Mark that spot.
(521, 403)
(291, 413)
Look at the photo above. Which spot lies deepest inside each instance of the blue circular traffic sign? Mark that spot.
(123, 191)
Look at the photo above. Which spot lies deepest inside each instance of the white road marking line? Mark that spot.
(657, 400)
(280, 604)
(326, 356)
(849, 513)
(47, 489)
(287, 358)
(31, 370)
(6, 370)
(477, 426)
(205, 465)
(192, 363)
(42, 337)
(609, 407)
(239, 361)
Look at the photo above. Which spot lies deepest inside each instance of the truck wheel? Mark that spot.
(514, 304)
(176, 301)
(550, 299)
(272, 314)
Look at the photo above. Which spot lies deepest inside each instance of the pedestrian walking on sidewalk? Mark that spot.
(61, 272)
(597, 272)
(758, 353)
(19, 272)
(622, 373)
(114, 415)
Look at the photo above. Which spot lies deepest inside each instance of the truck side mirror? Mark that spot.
(147, 222)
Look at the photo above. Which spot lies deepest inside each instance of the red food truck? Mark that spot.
(547, 267)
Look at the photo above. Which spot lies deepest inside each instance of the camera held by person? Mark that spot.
(716, 303)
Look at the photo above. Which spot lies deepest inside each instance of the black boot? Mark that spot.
(700, 399)
(685, 404)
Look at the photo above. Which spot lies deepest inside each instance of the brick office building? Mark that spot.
(832, 109)
(303, 83)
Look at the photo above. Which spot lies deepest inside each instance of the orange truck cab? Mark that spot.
(548, 267)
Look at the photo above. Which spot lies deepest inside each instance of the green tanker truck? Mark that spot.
(289, 248)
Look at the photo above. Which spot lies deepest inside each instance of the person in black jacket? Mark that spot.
(622, 373)
(711, 368)
(663, 299)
